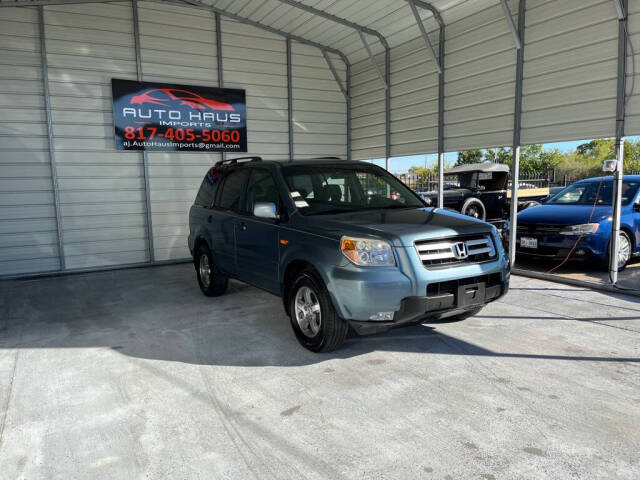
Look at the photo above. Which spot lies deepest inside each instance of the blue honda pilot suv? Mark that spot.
(344, 244)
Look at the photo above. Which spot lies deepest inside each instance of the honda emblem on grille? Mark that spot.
(460, 250)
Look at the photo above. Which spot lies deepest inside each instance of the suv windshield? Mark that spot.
(584, 193)
(320, 189)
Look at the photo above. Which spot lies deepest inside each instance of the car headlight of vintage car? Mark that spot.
(368, 252)
(584, 229)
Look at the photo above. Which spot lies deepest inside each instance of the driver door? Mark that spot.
(257, 239)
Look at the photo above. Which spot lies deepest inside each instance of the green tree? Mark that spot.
(469, 156)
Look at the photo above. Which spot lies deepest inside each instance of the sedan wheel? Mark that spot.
(624, 250)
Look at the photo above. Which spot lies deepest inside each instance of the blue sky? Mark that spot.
(402, 164)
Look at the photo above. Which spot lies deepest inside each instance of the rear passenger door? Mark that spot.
(223, 220)
(258, 238)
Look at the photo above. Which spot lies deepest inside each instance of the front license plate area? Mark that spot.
(528, 242)
(471, 294)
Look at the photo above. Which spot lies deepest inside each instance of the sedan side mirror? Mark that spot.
(265, 210)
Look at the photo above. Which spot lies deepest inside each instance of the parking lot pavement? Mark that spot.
(629, 278)
(135, 374)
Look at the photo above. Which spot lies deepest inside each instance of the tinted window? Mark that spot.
(232, 194)
(262, 188)
(590, 193)
(318, 189)
(207, 191)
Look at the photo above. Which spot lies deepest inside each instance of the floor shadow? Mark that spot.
(159, 313)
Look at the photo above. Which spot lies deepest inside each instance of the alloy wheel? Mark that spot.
(307, 311)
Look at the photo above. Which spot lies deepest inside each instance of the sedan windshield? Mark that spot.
(586, 193)
(324, 189)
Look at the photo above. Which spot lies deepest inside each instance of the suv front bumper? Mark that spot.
(442, 300)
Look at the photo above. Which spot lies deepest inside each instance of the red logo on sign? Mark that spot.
(165, 96)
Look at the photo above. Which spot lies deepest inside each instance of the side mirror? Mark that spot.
(265, 210)
(427, 201)
(636, 207)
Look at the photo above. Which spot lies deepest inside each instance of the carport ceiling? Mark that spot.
(333, 23)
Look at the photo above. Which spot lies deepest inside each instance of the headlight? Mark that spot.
(367, 252)
(584, 229)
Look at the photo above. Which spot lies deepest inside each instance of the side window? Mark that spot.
(262, 188)
(208, 188)
(232, 195)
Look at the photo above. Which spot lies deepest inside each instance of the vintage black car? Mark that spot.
(478, 190)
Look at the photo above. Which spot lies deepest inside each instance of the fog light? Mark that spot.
(382, 316)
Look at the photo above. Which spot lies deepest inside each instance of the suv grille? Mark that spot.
(455, 250)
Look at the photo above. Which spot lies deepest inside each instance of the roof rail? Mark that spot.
(325, 158)
(233, 161)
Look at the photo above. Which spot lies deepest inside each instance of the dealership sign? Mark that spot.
(160, 116)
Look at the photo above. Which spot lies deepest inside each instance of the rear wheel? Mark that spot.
(314, 320)
(474, 207)
(211, 280)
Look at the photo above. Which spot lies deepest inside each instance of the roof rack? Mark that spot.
(325, 158)
(234, 161)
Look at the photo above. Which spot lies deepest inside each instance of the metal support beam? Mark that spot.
(512, 26)
(441, 71)
(517, 127)
(145, 156)
(349, 112)
(218, 23)
(334, 72)
(425, 35)
(623, 5)
(290, 97)
(52, 150)
(372, 58)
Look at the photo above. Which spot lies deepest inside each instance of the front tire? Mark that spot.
(315, 322)
(212, 281)
(473, 207)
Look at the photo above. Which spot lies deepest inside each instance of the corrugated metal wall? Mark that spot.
(570, 70)
(28, 233)
(101, 189)
(102, 194)
(256, 61)
(176, 46)
(632, 124)
(319, 108)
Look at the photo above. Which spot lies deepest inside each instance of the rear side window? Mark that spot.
(232, 195)
(208, 188)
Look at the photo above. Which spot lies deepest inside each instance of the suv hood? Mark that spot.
(402, 226)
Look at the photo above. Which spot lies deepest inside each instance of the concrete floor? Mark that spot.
(629, 278)
(134, 374)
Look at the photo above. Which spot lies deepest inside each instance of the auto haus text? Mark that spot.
(177, 118)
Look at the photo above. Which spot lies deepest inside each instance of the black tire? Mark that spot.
(473, 207)
(332, 330)
(214, 283)
(457, 318)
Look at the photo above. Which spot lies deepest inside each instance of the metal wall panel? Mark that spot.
(569, 70)
(319, 107)
(261, 69)
(632, 123)
(28, 232)
(187, 56)
(101, 189)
